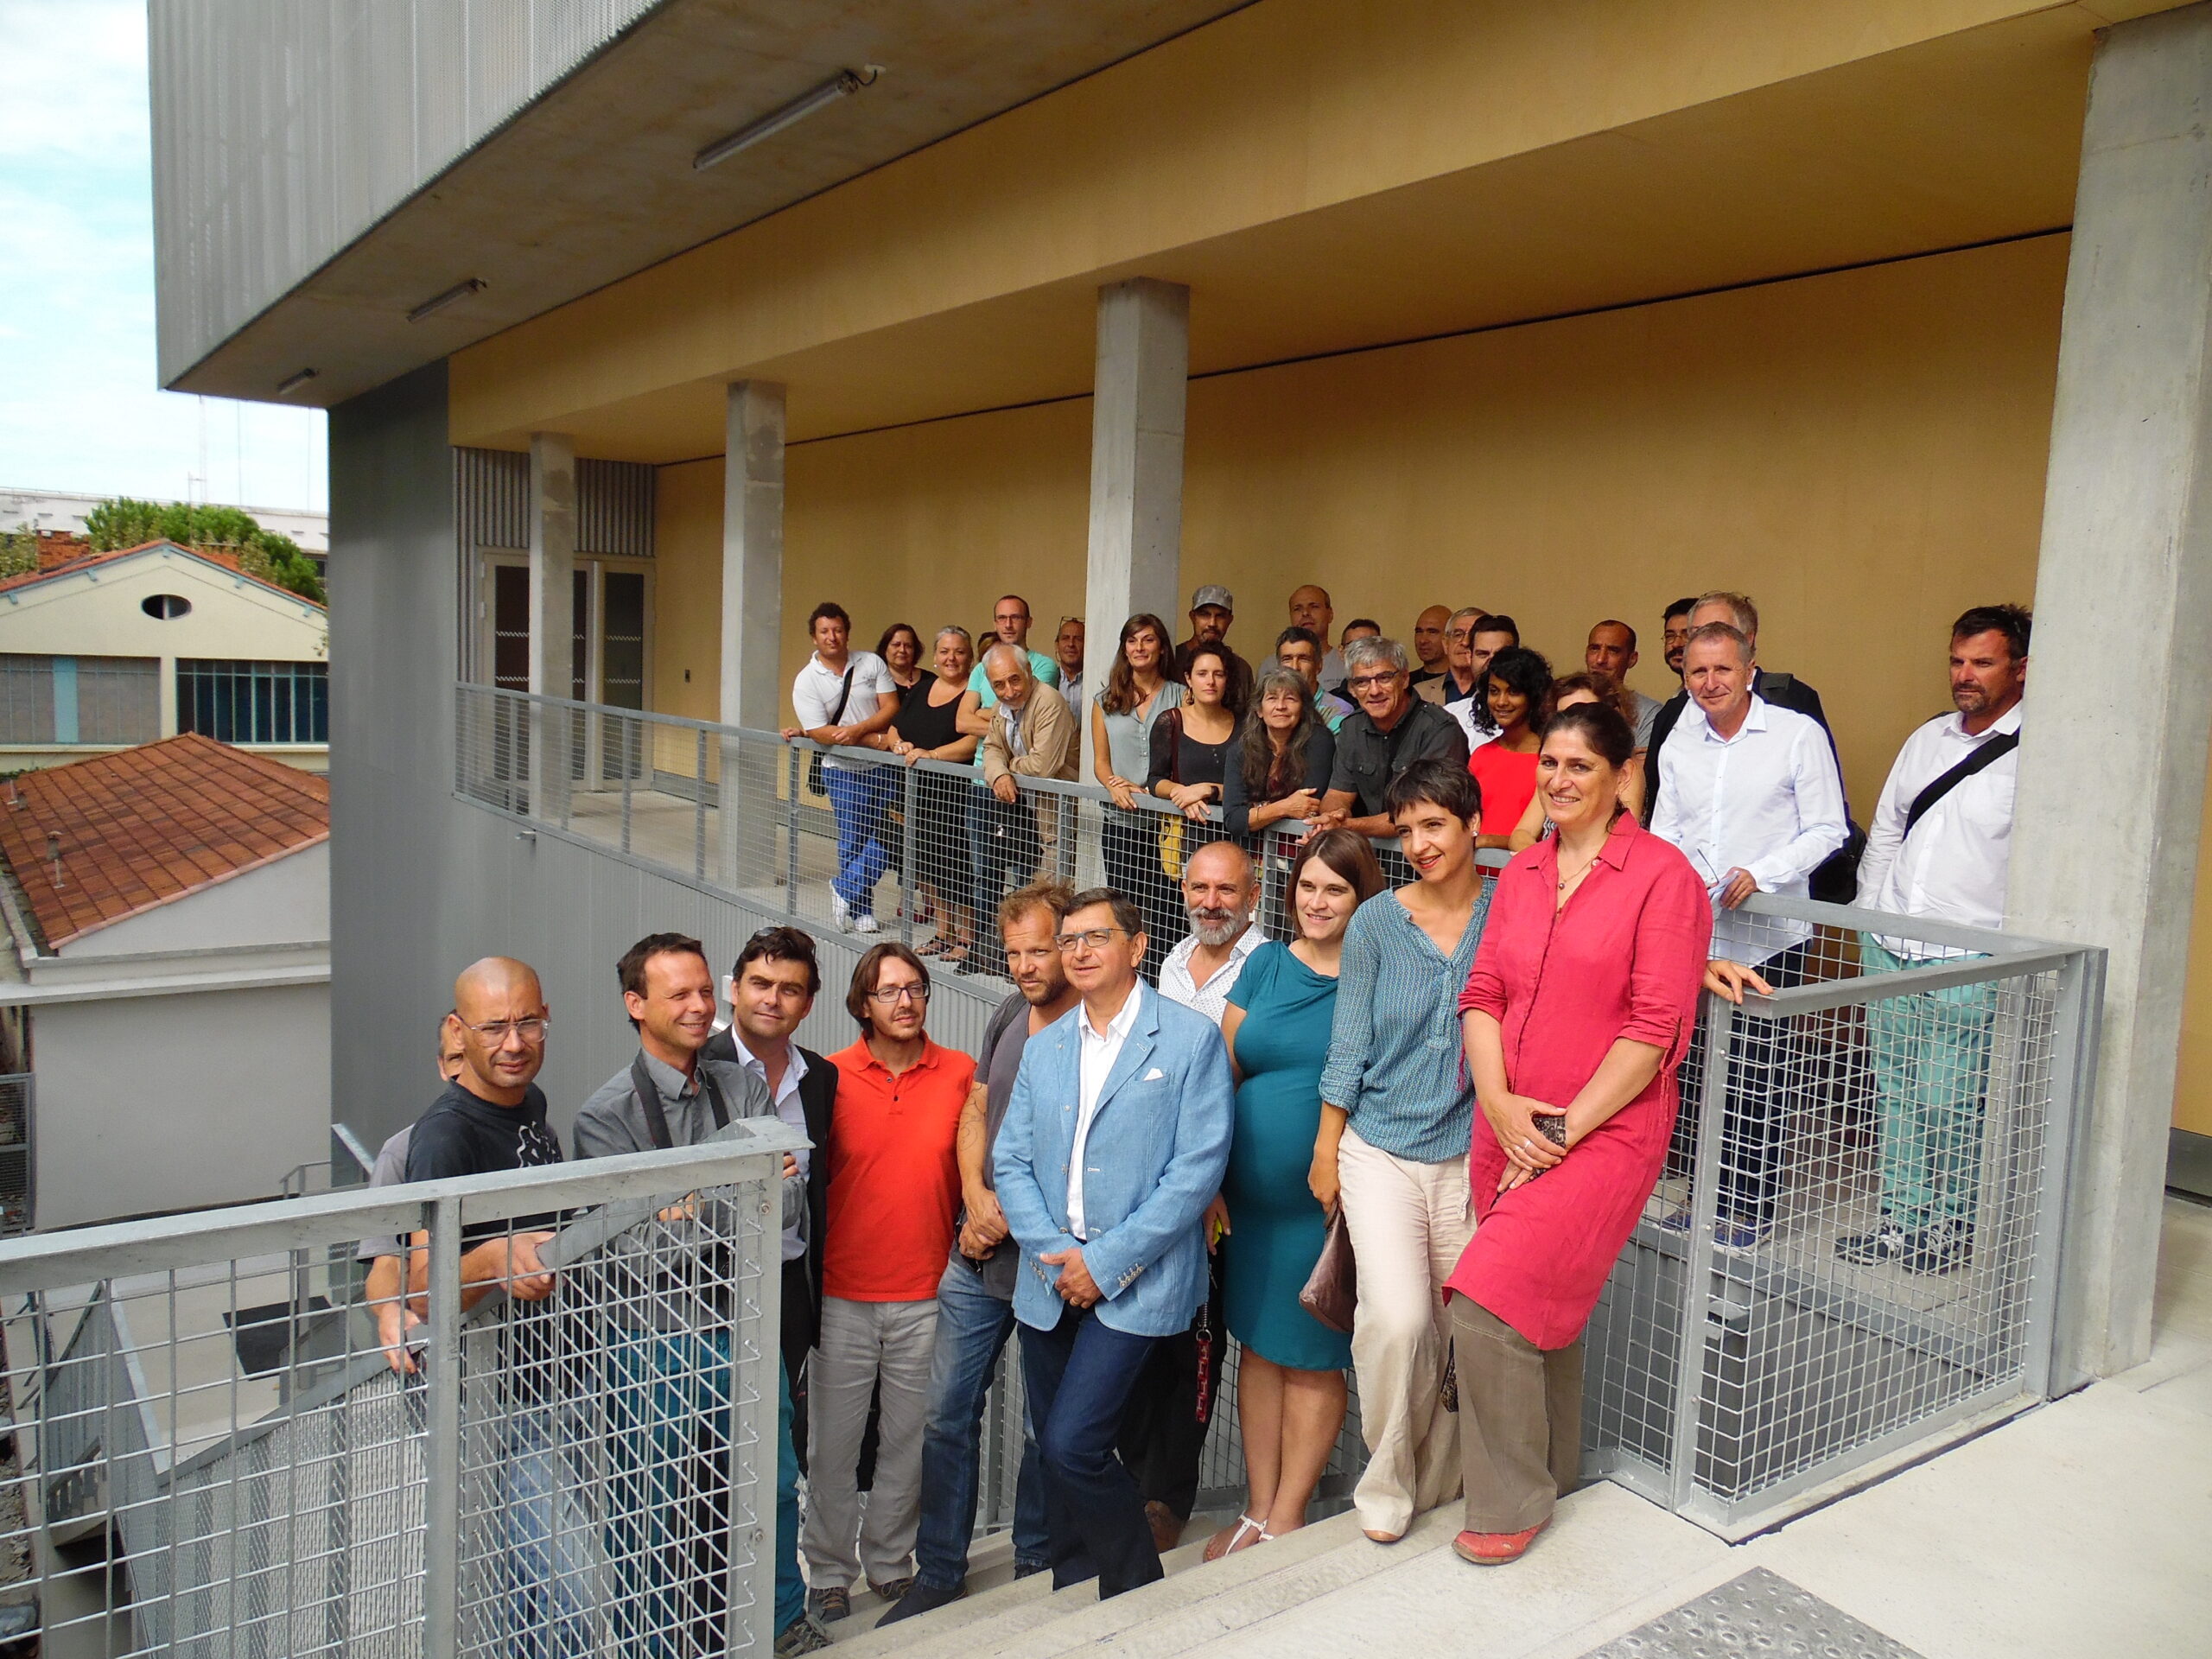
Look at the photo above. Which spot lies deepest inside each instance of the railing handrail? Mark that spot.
(2003, 947)
(122, 1250)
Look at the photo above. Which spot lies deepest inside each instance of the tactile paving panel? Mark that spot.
(1760, 1612)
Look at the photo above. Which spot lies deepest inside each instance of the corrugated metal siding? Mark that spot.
(614, 508)
(284, 129)
(614, 503)
(492, 498)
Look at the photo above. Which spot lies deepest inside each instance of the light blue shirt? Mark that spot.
(1395, 1061)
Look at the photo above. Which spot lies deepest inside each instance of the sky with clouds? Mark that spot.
(79, 408)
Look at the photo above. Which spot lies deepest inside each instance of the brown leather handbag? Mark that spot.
(1333, 1288)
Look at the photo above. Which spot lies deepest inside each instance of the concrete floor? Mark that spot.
(2078, 1528)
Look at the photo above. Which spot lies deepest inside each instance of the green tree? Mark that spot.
(125, 521)
(18, 551)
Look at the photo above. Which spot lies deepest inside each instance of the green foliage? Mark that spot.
(123, 522)
(18, 551)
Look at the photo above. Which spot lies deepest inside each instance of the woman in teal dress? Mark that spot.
(1290, 1378)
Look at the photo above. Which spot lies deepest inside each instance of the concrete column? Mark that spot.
(1137, 468)
(552, 615)
(2120, 700)
(752, 631)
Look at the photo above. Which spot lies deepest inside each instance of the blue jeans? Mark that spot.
(1000, 834)
(547, 1563)
(1081, 1374)
(858, 800)
(972, 1326)
(791, 1587)
(668, 1530)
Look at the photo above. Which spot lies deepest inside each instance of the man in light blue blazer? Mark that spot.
(1114, 1145)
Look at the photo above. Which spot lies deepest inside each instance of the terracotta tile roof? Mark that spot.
(144, 826)
(90, 560)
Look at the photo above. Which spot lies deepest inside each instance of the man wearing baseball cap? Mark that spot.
(1212, 612)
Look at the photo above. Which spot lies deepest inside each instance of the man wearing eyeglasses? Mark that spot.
(1393, 729)
(493, 1117)
(1114, 1145)
(895, 1191)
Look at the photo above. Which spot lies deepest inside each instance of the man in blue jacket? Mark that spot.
(1113, 1146)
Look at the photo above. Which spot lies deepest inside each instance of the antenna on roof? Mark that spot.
(54, 853)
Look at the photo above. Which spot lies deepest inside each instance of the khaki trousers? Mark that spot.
(1410, 1223)
(1520, 1420)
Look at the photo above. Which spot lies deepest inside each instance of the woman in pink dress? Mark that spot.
(1576, 1016)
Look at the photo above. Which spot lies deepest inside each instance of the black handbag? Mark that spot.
(814, 761)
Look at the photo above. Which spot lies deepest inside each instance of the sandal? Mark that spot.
(956, 958)
(932, 947)
(1234, 1537)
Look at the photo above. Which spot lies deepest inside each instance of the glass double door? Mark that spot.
(610, 624)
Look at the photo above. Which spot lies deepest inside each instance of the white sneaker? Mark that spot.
(842, 912)
(864, 923)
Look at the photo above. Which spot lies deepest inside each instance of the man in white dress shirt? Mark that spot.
(1220, 887)
(1755, 801)
(1939, 848)
(1164, 1435)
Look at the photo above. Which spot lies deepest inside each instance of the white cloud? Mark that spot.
(80, 409)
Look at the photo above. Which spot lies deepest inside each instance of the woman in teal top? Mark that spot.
(1290, 1380)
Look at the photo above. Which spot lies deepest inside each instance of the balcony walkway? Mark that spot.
(2076, 1528)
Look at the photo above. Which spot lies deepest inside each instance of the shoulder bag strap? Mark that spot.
(1986, 756)
(715, 1102)
(649, 1102)
(844, 697)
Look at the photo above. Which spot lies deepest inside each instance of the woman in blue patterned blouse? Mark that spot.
(1397, 1112)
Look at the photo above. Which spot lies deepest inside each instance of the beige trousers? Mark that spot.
(1520, 1420)
(1409, 1223)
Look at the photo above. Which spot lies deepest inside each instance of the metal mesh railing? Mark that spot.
(217, 1455)
(1757, 1342)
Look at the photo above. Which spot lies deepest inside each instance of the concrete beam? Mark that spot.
(1137, 468)
(552, 611)
(2112, 777)
(753, 624)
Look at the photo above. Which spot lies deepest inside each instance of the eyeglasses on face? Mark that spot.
(892, 996)
(1091, 938)
(1369, 682)
(495, 1032)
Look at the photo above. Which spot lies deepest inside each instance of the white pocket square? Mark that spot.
(1154, 1076)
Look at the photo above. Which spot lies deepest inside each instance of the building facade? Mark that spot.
(113, 650)
(1875, 312)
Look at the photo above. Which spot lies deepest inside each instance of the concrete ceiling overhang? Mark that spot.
(1966, 139)
(594, 180)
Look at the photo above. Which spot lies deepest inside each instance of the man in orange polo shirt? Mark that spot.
(895, 1191)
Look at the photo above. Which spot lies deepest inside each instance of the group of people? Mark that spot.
(1477, 1081)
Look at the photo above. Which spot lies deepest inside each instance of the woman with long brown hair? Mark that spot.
(1141, 686)
(1279, 765)
(1290, 1379)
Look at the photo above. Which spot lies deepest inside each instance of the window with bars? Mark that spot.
(106, 700)
(253, 702)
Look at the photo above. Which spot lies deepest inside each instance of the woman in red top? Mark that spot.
(1576, 1016)
(1505, 767)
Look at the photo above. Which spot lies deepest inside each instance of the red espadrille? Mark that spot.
(1495, 1549)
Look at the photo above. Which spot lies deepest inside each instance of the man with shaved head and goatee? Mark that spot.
(493, 1117)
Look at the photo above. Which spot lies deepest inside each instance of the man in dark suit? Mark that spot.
(771, 990)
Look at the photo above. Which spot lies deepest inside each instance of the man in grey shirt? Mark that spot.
(382, 1252)
(975, 1299)
(669, 1410)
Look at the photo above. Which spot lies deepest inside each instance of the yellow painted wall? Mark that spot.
(2193, 1086)
(1863, 452)
(1285, 108)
